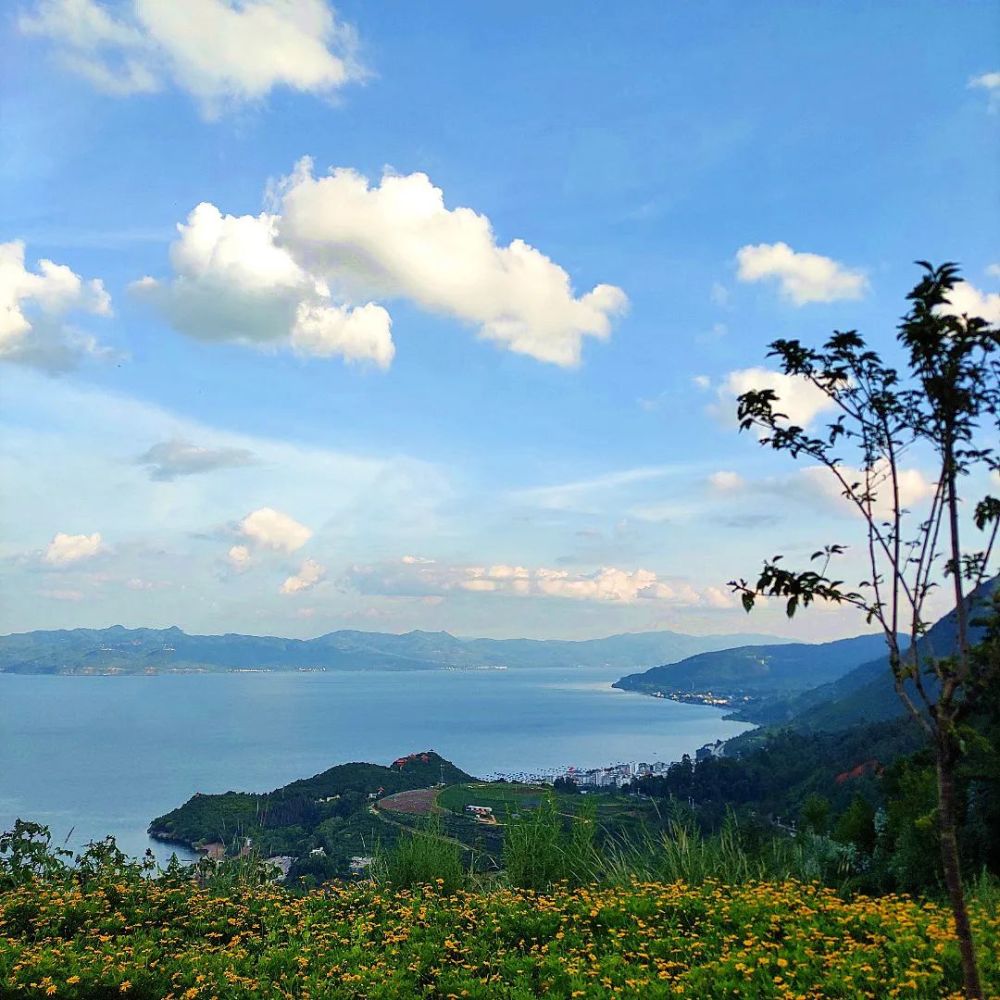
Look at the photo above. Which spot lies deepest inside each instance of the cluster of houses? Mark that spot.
(614, 776)
(482, 814)
(703, 698)
(623, 774)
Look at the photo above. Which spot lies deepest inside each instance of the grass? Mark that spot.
(423, 856)
(505, 799)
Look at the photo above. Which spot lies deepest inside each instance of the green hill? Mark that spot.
(286, 820)
(755, 672)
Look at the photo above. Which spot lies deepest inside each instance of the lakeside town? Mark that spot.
(611, 776)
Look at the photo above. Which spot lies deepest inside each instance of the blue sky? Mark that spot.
(482, 378)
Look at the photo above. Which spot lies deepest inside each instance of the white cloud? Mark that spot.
(990, 82)
(801, 277)
(306, 275)
(34, 306)
(233, 282)
(798, 399)
(272, 529)
(968, 299)
(222, 52)
(914, 487)
(178, 457)
(993, 270)
(398, 240)
(701, 381)
(310, 573)
(607, 584)
(239, 558)
(65, 549)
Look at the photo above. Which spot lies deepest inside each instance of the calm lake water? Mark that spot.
(99, 755)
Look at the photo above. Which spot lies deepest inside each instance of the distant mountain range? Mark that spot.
(170, 650)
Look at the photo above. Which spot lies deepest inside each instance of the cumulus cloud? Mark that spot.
(222, 52)
(65, 549)
(801, 277)
(427, 577)
(798, 399)
(239, 558)
(35, 307)
(990, 82)
(271, 529)
(310, 573)
(968, 299)
(177, 457)
(397, 239)
(232, 281)
(308, 273)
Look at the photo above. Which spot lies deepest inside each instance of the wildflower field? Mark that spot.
(144, 938)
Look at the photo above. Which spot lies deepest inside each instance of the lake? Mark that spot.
(89, 756)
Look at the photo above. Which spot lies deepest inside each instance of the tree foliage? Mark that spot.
(943, 407)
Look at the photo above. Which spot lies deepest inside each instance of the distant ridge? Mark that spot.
(756, 672)
(136, 651)
(867, 693)
(813, 686)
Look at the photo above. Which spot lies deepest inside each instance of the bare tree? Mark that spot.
(942, 406)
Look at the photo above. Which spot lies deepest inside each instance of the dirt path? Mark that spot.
(415, 802)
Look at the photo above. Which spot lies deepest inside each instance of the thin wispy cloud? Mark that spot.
(579, 494)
